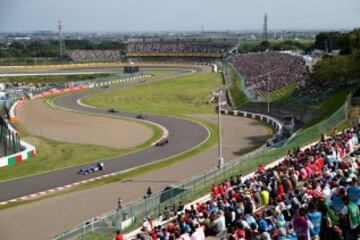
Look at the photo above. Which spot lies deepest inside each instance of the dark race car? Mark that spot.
(113, 110)
(140, 116)
(95, 167)
(162, 142)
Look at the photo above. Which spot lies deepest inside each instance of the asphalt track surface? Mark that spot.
(183, 135)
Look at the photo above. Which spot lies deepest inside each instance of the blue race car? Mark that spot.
(95, 167)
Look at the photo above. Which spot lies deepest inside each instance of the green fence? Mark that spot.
(132, 215)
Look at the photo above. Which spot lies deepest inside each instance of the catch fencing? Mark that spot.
(131, 216)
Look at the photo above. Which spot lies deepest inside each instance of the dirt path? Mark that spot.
(45, 218)
(65, 126)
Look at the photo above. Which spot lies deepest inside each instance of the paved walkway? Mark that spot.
(45, 218)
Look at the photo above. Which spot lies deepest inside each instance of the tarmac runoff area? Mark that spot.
(46, 218)
(41, 120)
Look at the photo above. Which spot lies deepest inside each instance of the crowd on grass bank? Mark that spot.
(280, 69)
(311, 194)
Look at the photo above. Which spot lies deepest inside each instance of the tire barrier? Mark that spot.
(256, 116)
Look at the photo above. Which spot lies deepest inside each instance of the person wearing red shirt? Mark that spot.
(221, 189)
(119, 236)
(215, 190)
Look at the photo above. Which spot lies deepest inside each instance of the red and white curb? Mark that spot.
(54, 190)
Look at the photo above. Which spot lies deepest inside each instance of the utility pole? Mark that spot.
(265, 28)
(61, 39)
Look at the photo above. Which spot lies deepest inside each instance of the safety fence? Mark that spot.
(131, 216)
(9, 139)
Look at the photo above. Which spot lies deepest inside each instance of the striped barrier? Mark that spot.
(256, 116)
(28, 152)
(14, 108)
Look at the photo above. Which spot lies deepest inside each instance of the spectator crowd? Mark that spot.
(312, 193)
(280, 69)
(94, 55)
(179, 47)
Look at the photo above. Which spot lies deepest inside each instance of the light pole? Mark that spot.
(221, 159)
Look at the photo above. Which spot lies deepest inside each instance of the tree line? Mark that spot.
(49, 49)
(344, 67)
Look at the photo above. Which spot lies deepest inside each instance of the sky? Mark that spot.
(177, 15)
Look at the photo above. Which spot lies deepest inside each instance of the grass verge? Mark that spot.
(237, 96)
(329, 105)
(282, 93)
(178, 96)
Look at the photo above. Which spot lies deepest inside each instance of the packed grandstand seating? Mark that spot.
(281, 69)
(311, 194)
(94, 55)
(179, 48)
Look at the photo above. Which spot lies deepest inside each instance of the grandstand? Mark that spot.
(269, 71)
(94, 55)
(209, 49)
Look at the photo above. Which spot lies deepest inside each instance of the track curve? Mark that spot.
(183, 135)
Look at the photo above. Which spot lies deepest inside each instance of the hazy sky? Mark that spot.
(177, 15)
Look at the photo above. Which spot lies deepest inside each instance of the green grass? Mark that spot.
(177, 96)
(237, 96)
(58, 78)
(329, 105)
(281, 93)
(52, 155)
(159, 73)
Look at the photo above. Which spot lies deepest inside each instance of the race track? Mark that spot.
(183, 135)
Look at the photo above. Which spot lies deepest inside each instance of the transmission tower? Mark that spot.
(61, 39)
(265, 30)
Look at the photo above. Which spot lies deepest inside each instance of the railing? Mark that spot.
(131, 216)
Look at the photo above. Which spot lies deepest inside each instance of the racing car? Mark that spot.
(162, 142)
(113, 110)
(95, 167)
(140, 116)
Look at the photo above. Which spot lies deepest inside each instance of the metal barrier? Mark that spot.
(131, 216)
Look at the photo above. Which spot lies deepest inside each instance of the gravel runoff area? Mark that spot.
(45, 218)
(41, 120)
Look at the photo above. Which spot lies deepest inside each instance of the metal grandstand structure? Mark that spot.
(61, 42)
(265, 28)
